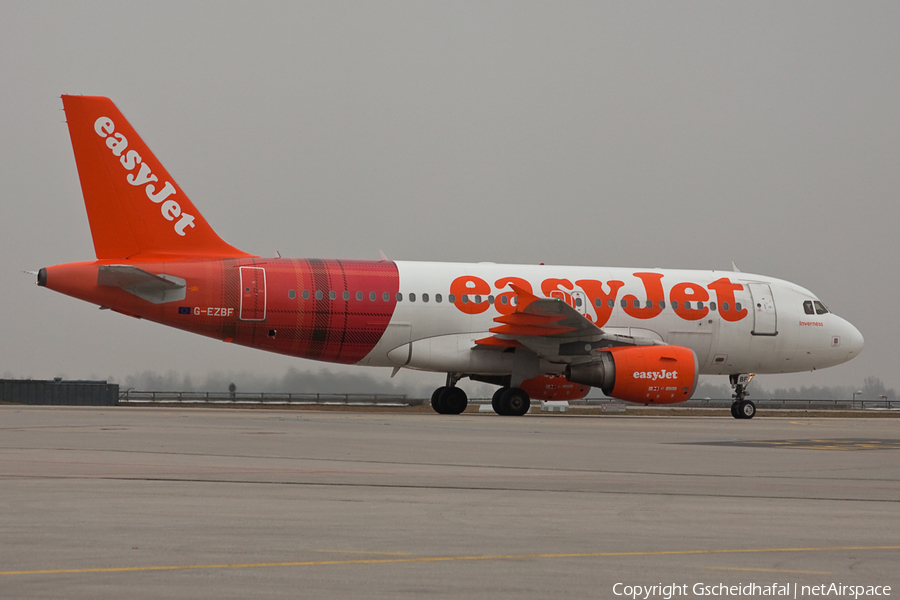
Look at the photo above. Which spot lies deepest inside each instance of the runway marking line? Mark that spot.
(365, 552)
(425, 559)
(814, 444)
(769, 570)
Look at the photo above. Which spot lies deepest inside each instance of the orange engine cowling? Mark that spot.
(645, 374)
(554, 387)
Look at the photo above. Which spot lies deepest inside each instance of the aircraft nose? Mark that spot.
(855, 340)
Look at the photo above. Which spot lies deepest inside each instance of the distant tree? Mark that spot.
(873, 388)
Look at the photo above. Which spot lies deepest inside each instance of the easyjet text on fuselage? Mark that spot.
(688, 300)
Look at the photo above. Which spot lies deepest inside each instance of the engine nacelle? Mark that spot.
(644, 374)
(554, 387)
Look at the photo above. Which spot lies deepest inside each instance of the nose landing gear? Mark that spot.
(741, 408)
(745, 409)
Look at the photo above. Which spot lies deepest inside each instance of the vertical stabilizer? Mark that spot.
(135, 208)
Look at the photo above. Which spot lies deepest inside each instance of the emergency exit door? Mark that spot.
(253, 294)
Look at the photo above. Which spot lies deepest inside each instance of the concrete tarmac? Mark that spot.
(221, 503)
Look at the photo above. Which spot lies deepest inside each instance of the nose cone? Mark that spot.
(854, 339)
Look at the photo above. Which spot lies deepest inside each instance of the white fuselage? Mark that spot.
(736, 323)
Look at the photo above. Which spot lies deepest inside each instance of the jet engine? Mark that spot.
(644, 374)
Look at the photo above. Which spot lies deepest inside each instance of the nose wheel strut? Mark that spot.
(741, 408)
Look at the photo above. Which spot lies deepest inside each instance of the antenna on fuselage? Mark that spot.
(734, 267)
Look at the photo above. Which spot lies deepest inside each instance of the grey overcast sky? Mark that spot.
(626, 134)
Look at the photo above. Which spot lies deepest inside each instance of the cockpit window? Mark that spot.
(820, 308)
(808, 307)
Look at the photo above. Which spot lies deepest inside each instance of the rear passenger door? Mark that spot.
(253, 294)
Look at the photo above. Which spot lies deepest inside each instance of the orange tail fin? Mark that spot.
(135, 208)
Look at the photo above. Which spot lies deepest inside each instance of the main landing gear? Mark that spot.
(511, 402)
(449, 399)
(741, 408)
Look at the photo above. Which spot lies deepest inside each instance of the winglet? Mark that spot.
(135, 208)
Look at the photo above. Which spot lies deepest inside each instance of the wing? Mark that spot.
(553, 330)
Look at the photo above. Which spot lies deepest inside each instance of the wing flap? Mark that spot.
(553, 330)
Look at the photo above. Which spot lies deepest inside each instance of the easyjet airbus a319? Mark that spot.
(537, 332)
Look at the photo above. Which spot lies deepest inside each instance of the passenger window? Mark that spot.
(318, 294)
(637, 303)
(687, 305)
(359, 295)
(465, 298)
(662, 305)
(700, 306)
(649, 303)
(424, 297)
(504, 300)
(412, 296)
(437, 298)
(624, 303)
(490, 300)
(451, 299)
(808, 307)
(306, 294)
(820, 308)
(674, 304)
(386, 296)
(399, 297)
(611, 303)
(578, 302)
(345, 295)
(725, 306)
(737, 306)
(332, 295)
(371, 296)
(477, 298)
(292, 294)
(712, 306)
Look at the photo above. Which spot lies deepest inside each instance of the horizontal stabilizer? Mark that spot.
(157, 289)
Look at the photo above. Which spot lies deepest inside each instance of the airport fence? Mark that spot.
(144, 397)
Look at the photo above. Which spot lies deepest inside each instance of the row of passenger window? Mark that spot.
(332, 295)
(386, 297)
(478, 299)
(688, 305)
